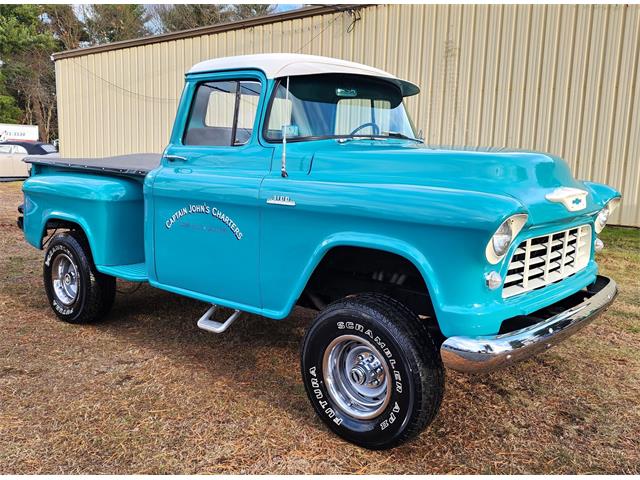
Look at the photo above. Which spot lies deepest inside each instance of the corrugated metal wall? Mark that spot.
(557, 78)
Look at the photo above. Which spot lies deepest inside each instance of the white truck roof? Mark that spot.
(278, 65)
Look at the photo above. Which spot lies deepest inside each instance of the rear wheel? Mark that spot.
(372, 371)
(77, 292)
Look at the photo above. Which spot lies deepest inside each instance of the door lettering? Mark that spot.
(206, 210)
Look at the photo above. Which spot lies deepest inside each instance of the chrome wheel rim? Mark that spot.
(357, 377)
(64, 277)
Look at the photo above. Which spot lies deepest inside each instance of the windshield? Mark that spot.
(337, 106)
(48, 148)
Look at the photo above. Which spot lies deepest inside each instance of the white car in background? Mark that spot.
(12, 152)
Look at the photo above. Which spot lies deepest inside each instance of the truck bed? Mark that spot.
(136, 164)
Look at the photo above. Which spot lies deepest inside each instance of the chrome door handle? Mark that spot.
(173, 158)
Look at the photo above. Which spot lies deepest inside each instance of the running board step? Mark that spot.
(135, 272)
(206, 322)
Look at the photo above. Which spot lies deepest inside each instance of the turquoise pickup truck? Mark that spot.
(300, 180)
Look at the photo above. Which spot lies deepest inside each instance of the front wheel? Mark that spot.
(372, 371)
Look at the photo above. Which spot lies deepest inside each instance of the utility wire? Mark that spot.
(131, 92)
(171, 100)
(319, 33)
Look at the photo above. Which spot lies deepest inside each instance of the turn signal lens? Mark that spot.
(493, 279)
(599, 245)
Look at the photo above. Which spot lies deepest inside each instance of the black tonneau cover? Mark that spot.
(138, 164)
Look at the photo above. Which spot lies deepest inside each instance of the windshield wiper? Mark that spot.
(379, 137)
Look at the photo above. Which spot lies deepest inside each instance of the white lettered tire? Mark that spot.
(372, 371)
(77, 292)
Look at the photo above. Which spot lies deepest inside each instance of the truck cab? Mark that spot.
(301, 180)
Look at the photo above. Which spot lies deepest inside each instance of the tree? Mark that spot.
(21, 29)
(248, 10)
(9, 110)
(27, 80)
(31, 76)
(107, 23)
(171, 18)
(29, 34)
(63, 23)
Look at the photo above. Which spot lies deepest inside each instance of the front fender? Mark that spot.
(439, 230)
(358, 239)
(602, 193)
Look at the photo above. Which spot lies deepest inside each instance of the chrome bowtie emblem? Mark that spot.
(573, 199)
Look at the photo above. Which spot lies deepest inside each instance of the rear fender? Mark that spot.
(108, 209)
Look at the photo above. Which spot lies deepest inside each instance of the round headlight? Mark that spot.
(502, 239)
(605, 213)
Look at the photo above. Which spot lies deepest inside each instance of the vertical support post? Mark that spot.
(527, 257)
(285, 129)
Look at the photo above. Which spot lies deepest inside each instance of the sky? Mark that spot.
(284, 7)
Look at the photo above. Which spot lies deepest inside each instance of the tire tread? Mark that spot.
(414, 338)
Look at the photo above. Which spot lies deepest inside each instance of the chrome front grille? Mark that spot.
(547, 259)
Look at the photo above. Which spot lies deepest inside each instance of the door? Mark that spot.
(206, 210)
(11, 164)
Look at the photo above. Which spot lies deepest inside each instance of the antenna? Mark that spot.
(285, 128)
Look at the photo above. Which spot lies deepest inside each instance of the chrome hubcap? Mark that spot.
(357, 377)
(64, 276)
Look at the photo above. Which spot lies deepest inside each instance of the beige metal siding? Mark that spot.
(557, 78)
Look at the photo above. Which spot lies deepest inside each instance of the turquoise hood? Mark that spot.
(521, 175)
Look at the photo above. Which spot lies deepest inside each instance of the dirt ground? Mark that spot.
(146, 391)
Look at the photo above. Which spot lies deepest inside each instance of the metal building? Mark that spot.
(557, 78)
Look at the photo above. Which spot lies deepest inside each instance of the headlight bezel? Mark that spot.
(514, 223)
(602, 217)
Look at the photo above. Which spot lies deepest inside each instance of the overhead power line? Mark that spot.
(172, 100)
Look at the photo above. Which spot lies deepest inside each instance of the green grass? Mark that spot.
(626, 239)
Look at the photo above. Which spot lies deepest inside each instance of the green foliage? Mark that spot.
(9, 111)
(21, 29)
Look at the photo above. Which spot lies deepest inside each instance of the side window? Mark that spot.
(19, 149)
(223, 113)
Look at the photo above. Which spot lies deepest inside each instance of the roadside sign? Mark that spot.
(18, 132)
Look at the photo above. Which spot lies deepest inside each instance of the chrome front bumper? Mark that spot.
(487, 353)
